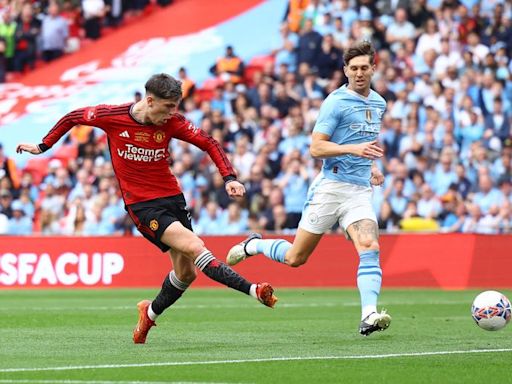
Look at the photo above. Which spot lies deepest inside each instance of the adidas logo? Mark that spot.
(124, 134)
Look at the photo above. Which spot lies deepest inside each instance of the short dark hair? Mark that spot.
(364, 48)
(164, 86)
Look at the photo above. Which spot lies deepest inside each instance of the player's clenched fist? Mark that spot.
(235, 188)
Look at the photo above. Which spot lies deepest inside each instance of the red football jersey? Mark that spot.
(139, 152)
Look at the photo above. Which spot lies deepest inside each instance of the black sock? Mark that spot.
(222, 273)
(168, 294)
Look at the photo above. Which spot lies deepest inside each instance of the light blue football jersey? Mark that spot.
(350, 118)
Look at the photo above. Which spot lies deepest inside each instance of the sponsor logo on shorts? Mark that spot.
(153, 225)
(159, 136)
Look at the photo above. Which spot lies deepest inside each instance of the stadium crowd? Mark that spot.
(32, 32)
(444, 68)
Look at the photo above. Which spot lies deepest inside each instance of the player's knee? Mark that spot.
(194, 248)
(369, 244)
(296, 259)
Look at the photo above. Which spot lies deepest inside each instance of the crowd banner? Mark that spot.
(448, 261)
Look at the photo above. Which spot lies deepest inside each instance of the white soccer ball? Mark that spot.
(491, 310)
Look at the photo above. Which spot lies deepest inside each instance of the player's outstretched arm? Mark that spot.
(28, 147)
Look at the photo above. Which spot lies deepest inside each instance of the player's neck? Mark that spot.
(137, 111)
(361, 92)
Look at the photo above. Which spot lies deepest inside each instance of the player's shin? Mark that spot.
(274, 249)
(172, 289)
(369, 280)
(222, 273)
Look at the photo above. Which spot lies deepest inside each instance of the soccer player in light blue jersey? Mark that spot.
(345, 137)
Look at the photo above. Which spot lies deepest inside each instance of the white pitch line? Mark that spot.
(223, 306)
(26, 381)
(241, 361)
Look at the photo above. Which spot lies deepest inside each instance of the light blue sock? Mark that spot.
(274, 249)
(369, 280)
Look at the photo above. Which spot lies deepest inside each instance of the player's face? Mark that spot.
(359, 72)
(161, 110)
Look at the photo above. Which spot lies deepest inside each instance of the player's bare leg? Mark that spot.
(191, 246)
(278, 250)
(365, 235)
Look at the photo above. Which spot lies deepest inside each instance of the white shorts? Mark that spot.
(330, 202)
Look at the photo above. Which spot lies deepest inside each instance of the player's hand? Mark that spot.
(235, 189)
(30, 148)
(368, 150)
(377, 178)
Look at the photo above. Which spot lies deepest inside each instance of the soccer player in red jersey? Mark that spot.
(138, 136)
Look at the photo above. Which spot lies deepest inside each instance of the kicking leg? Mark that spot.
(278, 250)
(191, 246)
(365, 235)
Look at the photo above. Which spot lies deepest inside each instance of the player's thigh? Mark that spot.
(184, 267)
(365, 234)
(303, 245)
(182, 240)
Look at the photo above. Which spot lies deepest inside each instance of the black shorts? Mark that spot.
(154, 216)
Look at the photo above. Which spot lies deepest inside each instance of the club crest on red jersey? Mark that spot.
(159, 136)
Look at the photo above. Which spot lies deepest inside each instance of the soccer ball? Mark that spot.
(491, 310)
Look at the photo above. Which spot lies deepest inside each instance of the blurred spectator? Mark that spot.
(294, 13)
(309, 45)
(3, 61)
(229, 67)
(294, 183)
(5, 203)
(8, 170)
(234, 220)
(187, 85)
(26, 35)
(93, 12)
(54, 33)
(8, 39)
(71, 14)
(4, 224)
(114, 14)
(487, 195)
(19, 223)
(330, 58)
(400, 30)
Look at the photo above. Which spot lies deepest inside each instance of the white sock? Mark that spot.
(367, 310)
(152, 315)
(252, 291)
(250, 247)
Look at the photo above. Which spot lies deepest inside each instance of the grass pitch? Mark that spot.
(222, 336)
